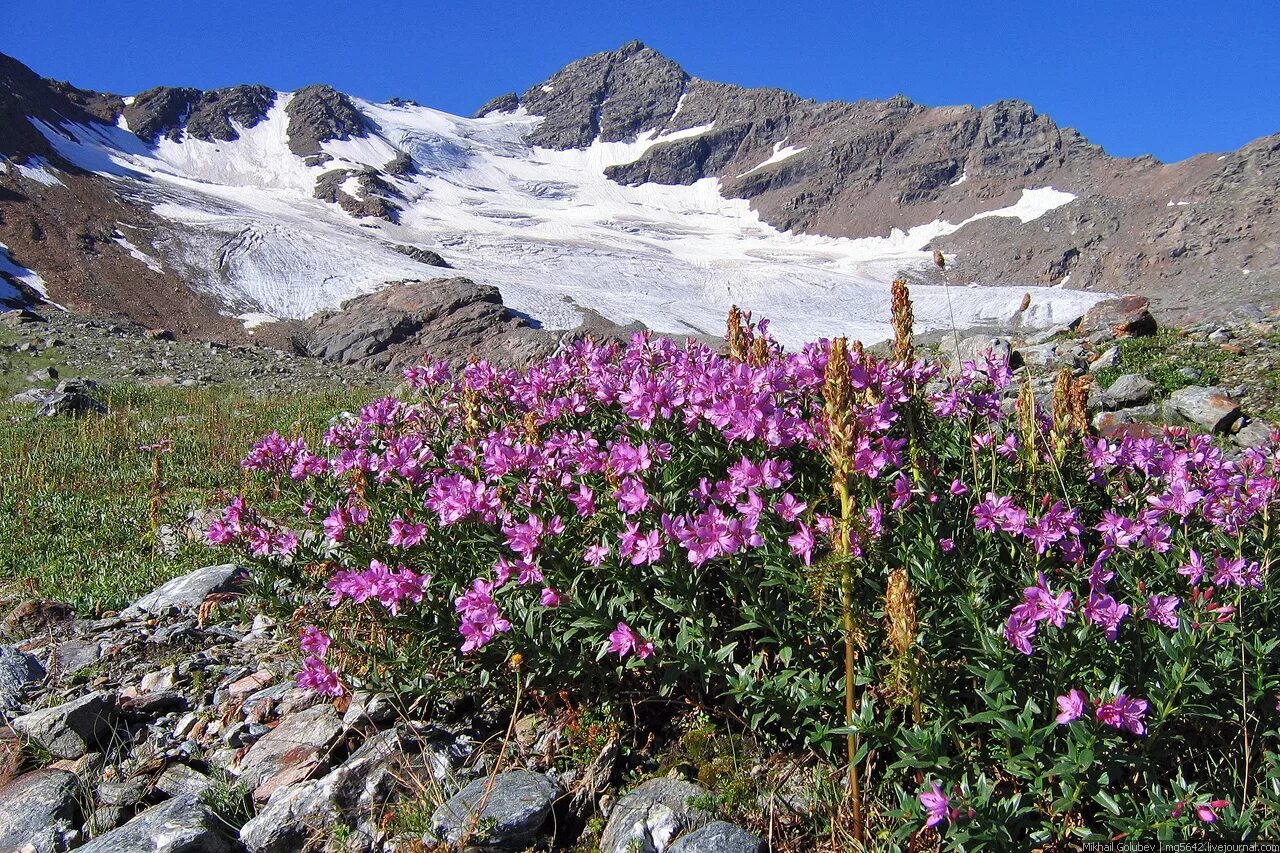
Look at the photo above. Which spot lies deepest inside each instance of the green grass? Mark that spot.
(1161, 356)
(75, 495)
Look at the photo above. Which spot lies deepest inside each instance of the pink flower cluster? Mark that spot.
(316, 676)
(1122, 712)
(389, 587)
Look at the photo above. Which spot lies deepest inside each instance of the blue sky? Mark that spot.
(1171, 79)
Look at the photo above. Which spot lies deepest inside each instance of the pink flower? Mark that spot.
(624, 641)
(648, 548)
(1194, 569)
(802, 542)
(595, 554)
(1124, 713)
(1160, 609)
(936, 805)
(406, 534)
(550, 598)
(788, 508)
(314, 642)
(1070, 707)
(947, 545)
(315, 677)
(1207, 812)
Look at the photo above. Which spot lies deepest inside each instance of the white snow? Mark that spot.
(779, 154)
(548, 228)
(22, 274)
(38, 169)
(1172, 203)
(151, 262)
(1031, 206)
(254, 319)
(964, 176)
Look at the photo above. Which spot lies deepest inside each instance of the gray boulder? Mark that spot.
(17, 671)
(508, 818)
(1131, 389)
(60, 402)
(72, 729)
(973, 348)
(1208, 408)
(292, 752)
(1108, 359)
(1253, 434)
(452, 319)
(39, 811)
(719, 837)
(352, 791)
(187, 592)
(651, 817)
(180, 825)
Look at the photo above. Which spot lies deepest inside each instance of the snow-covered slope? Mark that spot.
(547, 227)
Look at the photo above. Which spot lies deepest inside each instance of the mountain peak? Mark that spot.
(611, 96)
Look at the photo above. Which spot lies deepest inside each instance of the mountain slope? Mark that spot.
(620, 185)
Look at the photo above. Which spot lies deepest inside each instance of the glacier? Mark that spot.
(546, 227)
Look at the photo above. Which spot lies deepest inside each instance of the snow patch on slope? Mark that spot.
(137, 254)
(779, 154)
(546, 227)
(38, 169)
(19, 273)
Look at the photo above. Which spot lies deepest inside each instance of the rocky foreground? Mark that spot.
(175, 726)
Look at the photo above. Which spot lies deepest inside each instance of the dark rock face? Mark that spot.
(613, 96)
(400, 166)
(507, 103)
(160, 112)
(214, 112)
(422, 256)
(18, 670)
(404, 323)
(319, 114)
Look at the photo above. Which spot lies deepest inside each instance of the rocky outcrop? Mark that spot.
(422, 256)
(375, 194)
(507, 103)
(319, 114)
(449, 319)
(215, 114)
(160, 112)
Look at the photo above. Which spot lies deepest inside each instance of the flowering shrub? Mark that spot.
(1048, 635)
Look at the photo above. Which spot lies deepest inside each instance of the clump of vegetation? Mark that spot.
(1007, 631)
(1170, 360)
